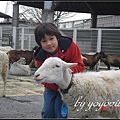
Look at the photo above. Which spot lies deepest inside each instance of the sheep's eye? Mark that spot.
(57, 66)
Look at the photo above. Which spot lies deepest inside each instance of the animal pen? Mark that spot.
(90, 40)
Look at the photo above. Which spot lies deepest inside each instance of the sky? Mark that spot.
(9, 11)
(3, 7)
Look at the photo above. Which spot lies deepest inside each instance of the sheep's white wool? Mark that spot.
(4, 66)
(89, 91)
(22, 61)
(95, 88)
(6, 48)
(19, 68)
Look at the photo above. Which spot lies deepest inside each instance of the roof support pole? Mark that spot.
(15, 24)
(15, 14)
(93, 16)
(94, 21)
(47, 12)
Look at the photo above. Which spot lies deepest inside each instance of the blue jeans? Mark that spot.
(52, 104)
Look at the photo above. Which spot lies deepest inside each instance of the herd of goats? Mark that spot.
(90, 60)
(108, 59)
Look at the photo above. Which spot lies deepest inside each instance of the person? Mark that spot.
(53, 44)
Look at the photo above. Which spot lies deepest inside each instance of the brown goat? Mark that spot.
(92, 59)
(15, 55)
(111, 60)
(33, 64)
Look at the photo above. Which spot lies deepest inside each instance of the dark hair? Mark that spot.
(46, 28)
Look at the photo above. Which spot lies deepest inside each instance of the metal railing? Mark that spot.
(88, 40)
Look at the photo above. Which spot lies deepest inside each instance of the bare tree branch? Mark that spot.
(35, 14)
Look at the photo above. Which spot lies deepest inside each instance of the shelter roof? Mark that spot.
(2, 15)
(95, 8)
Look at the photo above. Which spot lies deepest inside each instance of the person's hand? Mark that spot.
(70, 71)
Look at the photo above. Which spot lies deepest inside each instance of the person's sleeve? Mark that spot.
(38, 63)
(75, 57)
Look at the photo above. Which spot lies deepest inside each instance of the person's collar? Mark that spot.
(54, 53)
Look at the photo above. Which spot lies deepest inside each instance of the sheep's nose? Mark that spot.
(37, 75)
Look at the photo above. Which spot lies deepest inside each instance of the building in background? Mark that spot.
(106, 21)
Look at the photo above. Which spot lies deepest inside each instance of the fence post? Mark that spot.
(99, 44)
(74, 35)
(29, 46)
(99, 40)
(14, 37)
(0, 36)
(0, 31)
(22, 38)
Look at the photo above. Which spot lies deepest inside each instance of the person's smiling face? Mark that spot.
(49, 43)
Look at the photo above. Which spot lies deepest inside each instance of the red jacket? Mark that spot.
(68, 51)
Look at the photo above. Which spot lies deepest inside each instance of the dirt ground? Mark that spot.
(23, 98)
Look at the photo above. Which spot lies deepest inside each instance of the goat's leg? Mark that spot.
(108, 67)
(91, 68)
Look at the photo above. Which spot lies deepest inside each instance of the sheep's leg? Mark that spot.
(4, 74)
(5, 81)
(117, 112)
(60, 94)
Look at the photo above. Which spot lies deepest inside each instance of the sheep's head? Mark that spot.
(52, 70)
(22, 61)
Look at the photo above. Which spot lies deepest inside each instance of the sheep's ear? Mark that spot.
(69, 65)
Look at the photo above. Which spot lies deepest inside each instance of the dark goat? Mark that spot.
(15, 55)
(111, 60)
(33, 64)
(92, 59)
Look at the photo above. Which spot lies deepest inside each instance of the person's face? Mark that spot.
(49, 43)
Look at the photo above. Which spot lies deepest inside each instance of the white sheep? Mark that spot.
(22, 61)
(4, 66)
(5, 48)
(19, 68)
(89, 91)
